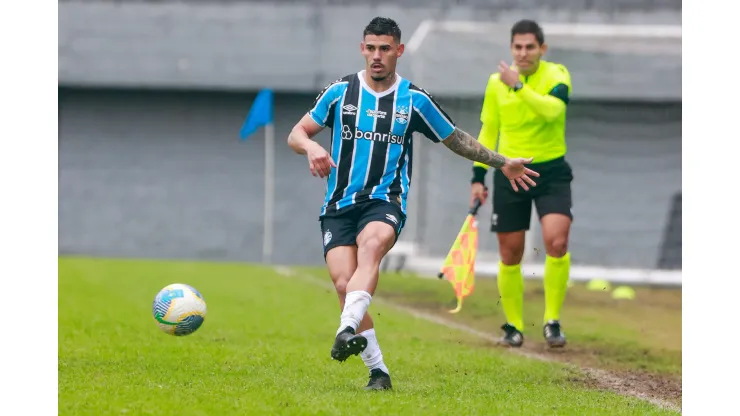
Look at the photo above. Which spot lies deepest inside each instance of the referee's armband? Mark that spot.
(561, 91)
(479, 175)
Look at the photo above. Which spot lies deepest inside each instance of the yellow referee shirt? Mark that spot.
(529, 122)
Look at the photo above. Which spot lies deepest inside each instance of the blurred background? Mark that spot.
(152, 94)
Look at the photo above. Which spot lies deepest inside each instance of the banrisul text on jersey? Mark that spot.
(371, 138)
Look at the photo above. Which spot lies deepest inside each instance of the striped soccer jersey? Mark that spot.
(371, 138)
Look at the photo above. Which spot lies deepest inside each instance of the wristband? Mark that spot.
(479, 175)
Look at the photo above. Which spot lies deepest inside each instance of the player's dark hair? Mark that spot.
(380, 26)
(524, 27)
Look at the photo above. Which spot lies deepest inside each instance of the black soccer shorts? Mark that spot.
(512, 211)
(342, 229)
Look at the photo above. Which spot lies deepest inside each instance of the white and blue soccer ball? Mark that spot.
(179, 309)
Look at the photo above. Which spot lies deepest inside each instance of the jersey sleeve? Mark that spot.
(489, 111)
(551, 103)
(322, 110)
(428, 117)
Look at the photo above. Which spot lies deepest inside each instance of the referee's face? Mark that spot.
(381, 53)
(526, 51)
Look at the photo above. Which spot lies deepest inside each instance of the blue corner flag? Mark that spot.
(259, 115)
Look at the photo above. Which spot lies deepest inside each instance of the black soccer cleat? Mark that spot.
(379, 380)
(512, 336)
(347, 343)
(554, 335)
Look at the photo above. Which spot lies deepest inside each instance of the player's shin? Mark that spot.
(557, 271)
(359, 294)
(356, 304)
(511, 289)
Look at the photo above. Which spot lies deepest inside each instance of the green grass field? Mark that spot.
(264, 349)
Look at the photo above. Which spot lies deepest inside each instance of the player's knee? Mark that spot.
(341, 288)
(373, 246)
(511, 247)
(340, 284)
(556, 246)
(511, 256)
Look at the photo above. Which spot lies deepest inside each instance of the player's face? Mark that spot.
(527, 52)
(381, 53)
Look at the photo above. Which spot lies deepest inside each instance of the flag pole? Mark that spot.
(259, 115)
(267, 241)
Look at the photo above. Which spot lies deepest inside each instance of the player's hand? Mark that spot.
(517, 173)
(478, 191)
(319, 160)
(508, 75)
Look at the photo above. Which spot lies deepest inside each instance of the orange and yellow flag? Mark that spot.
(459, 266)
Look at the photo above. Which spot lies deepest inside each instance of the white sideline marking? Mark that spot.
(601, 374)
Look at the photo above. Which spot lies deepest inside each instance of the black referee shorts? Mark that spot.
(342, 229)
(512, 211)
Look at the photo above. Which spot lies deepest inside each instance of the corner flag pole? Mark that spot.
(261, 115)
(267, 241)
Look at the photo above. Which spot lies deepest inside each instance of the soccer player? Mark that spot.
(524, 111)
(372, 115)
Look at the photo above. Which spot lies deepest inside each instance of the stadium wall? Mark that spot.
(163, 174)
(299, 46)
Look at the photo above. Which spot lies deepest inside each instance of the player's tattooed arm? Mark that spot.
(468, 147)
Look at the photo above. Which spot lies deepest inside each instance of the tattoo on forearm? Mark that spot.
(466, 146)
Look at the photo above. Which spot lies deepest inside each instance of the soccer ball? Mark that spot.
(179, 309)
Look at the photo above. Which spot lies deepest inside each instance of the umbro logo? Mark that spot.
(392, 218)
(349, 110)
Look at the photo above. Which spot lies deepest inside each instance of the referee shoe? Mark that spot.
(553, 334)
(512, 336)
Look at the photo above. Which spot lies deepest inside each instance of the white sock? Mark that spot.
(355, 306)
(372, 356)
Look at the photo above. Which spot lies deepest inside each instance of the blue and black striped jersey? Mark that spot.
(371, 138)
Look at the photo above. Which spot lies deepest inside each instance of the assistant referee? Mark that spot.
(524, 113)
